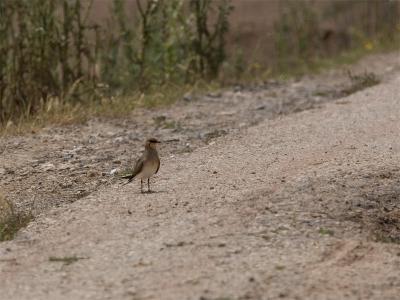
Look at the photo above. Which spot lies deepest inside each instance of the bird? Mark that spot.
(147, 165)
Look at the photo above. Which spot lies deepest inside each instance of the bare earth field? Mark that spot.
(287, 190)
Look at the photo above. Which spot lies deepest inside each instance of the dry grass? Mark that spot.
(54, 59)
(292, 41)
(11, 220)
(361, 81)
(56, 113)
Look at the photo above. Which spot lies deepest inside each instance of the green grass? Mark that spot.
(302, 68)
(321, 64)
(280, 268)
(54, 58)
(56, 113)
(148, 63)
(66, 260)
(325, 231)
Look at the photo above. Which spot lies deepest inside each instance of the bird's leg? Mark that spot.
(148, 185)
(141, 186)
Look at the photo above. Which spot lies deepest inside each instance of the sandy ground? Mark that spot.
(61, 165)
(275, 205)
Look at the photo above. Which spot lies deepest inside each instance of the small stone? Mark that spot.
(187, 97)
(66, 185)
(118, 140)
(214, 95)
(237, 88)
(92, 173)
(47, 167)
(64, 167)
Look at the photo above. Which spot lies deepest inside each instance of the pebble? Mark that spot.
(47, 167)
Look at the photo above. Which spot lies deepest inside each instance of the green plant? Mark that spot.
(304, 41)
(52, 55)
(296, 34)
(67, 260)
(325, 231)
(44, 55)
(209, 45)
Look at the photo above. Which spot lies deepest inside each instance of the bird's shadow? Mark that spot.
(154, 192)
(147, 192)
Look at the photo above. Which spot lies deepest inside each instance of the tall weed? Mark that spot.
(52, 54)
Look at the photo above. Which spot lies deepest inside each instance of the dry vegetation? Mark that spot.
(57, 65)
(11, 219)
(281, 38)
(55, 58)
(65, 61)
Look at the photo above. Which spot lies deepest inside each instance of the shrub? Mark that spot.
(50, 51)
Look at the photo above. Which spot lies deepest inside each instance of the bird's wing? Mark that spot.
(138, 167)
(136, 170)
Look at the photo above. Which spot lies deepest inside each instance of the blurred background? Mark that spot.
(58, 57)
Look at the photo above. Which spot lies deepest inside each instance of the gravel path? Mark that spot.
(301, 206)
(60, 165)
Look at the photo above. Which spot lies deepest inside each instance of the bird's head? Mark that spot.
(152, 143)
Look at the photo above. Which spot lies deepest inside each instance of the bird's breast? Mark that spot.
(149, 169)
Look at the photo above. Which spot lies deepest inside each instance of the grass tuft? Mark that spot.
(67, 260)
(60, 113)
(325, 231)
(360, 82)
(11, 220)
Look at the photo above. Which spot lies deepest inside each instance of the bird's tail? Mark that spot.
(130, 178)
(124, 176)
(127, 175)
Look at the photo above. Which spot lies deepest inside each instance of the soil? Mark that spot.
(282, 190)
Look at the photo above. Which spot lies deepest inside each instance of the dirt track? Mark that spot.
(303, 206)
